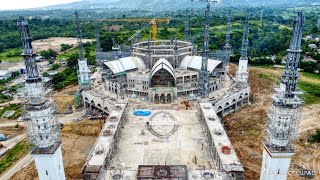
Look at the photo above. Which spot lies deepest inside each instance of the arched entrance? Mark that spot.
(163, 99)
(162, 78)
(169, 98)
(156, 98)
(162, 74)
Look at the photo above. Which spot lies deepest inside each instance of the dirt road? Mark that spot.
(22, 163)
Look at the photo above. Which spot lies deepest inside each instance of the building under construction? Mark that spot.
(147, 135)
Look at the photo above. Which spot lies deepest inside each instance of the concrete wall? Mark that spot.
(50, 166)
(232, 102)
(94, 100)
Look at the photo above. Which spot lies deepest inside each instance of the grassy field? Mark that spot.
(311, 92)
(11, 55)
(13, 107)
(13, 155)
(309, 83)
(67, 54)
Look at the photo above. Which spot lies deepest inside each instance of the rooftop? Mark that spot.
(104, 142)
(229, 160)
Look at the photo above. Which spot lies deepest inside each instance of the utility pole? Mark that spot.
(284, 113)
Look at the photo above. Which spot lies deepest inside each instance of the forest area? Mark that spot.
(269, 36)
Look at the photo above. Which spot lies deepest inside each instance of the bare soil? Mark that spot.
(54, 43)
(77, 141)
(12, 131)
(246, 128)
(63, 99)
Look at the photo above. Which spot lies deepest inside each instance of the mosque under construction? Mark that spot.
(170, 143)
(146, 135)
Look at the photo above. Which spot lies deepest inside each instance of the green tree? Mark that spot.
(2, 47)
(65, 47)
(72, 61)
(309, 66)
(48, 54)
(55, 67)
(315, 30)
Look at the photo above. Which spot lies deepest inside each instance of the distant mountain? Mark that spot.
(172, 4)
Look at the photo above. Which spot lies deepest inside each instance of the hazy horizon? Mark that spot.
(23, 4)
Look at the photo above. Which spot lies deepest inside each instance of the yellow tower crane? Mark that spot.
(152, 22)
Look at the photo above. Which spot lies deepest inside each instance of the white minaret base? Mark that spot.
(242, 73)
(275, 164)
(49, 163)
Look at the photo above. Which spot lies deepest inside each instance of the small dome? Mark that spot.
(192, 96)
(133, 96)
(2, 136)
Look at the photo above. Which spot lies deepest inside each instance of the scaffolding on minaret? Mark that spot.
(227, 46)
(83, 71)
(99, 56)
(36, 101)
(204, 74)
(245, 39)
(286, 98)
(284, 113)
(40, 115)
(79, 36)
(186, 27)
(98, 45)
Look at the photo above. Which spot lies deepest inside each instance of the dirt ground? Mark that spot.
(246, 128)
(77, 141)
(55, 43)
(12, 131)
(63, 99)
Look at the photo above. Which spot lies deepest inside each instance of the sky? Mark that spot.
(24, 4)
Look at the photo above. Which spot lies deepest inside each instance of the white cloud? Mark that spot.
(25, 4)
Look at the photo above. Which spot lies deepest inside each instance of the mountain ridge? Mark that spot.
(171, 4)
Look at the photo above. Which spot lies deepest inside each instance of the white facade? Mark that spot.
(275, 165)
(242, 73)
(84, 72)
(35, 92)
(50, 166)
(42, 123)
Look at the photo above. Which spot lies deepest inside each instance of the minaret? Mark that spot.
(242, 73)
(40, 117)
(186, 27)
(204, 74)
(227, 47)
(284, 114)
(98, 45)
(176, 53)
(84, 71)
